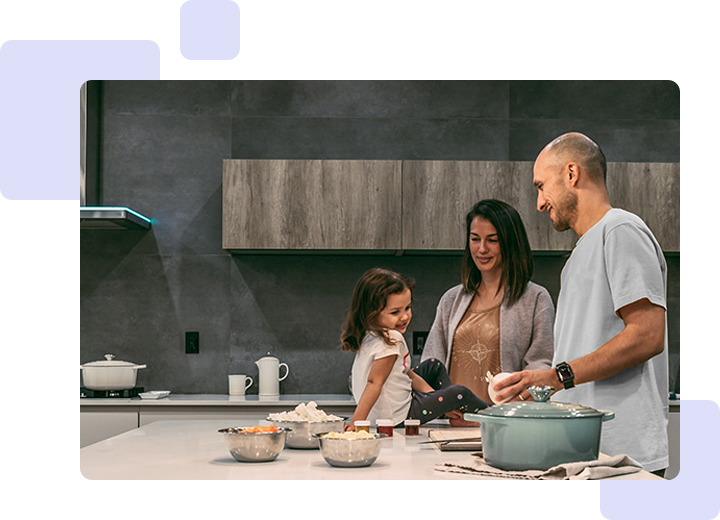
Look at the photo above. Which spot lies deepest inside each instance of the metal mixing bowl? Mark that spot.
(302, 434)
(350, 453)
(254, 447)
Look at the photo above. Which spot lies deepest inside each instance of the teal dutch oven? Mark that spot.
(539, 435)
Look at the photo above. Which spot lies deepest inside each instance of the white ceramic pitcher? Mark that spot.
(269, 375)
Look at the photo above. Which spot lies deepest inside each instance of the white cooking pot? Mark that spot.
(109, 374)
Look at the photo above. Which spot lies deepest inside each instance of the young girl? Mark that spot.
(383, 384)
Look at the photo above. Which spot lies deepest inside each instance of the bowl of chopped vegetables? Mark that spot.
(255, 443)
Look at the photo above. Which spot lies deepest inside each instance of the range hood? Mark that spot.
(112, 217)
(94, 215)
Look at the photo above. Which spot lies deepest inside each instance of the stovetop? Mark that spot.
(131, 392)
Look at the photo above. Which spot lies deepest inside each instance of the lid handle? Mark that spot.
(540, 393)
(109, 357)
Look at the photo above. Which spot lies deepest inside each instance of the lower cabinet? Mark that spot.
(57, 434)
(97, 426)
(674, 442)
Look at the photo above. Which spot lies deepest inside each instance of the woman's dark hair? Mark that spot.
(368, 300)
(517, 259)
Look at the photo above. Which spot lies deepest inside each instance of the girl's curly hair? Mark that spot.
(368, 300)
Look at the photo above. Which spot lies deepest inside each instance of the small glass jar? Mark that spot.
(362, 426)
(384, 426)
(412, 427)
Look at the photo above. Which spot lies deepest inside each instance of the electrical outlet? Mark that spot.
(192, 342)
(419, 339)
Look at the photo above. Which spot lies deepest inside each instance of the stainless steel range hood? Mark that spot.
(94, 215)
(112, 217)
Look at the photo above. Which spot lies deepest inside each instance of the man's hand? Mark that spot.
(641, 339)
(514, 387)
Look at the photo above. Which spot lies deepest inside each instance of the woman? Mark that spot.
(497, 320)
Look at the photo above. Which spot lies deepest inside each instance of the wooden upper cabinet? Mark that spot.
(413, 205)
(652, 192)
(311, 205)
(437, 195)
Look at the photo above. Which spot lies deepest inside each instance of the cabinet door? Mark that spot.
(437, 195)
(652, 192)
(311, 205)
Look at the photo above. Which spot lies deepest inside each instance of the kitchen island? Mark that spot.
(194, 450)
(102, 418)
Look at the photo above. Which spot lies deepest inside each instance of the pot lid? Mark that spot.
(540, 408)
(109, 362)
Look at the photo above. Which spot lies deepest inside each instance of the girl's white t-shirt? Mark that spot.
(394, 400)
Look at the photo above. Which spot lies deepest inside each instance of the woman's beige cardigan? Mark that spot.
(526, 329)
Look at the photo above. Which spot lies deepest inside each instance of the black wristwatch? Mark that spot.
(565, 375)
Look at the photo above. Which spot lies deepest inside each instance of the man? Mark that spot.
(610, 329)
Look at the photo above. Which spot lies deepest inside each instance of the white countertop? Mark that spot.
(191, 400)
(289, 400)
(194, 450)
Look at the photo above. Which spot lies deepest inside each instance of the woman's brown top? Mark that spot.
(476, 350)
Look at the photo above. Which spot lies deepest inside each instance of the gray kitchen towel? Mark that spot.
(605, 466)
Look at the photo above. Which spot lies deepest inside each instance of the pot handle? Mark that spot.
(287, 371)
(139, 367)
(607, 415)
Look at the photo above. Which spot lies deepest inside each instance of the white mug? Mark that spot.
(237, 384)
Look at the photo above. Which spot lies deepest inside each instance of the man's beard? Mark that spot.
(568, 214)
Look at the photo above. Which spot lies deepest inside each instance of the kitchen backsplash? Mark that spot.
(162, 146)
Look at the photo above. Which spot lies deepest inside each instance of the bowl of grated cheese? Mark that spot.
(350, 449)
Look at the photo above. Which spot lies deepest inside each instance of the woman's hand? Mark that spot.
(350, 427)
(457, 418)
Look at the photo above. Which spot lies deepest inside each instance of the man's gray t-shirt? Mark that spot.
(615, 263)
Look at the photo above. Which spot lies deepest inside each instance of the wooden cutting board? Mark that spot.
(456, 433)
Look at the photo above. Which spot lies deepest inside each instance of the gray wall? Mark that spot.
(162, 146)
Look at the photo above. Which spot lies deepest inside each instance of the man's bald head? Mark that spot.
(579, 148)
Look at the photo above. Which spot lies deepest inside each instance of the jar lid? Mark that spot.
(412, 422)
(384, 422)
(540, 408)
(362, 423)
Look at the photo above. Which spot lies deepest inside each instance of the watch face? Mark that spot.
(565, 372)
